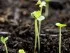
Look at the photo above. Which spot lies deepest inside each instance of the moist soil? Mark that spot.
(18, 25)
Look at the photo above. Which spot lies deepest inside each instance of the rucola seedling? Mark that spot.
(47, 8)
(60, 26)
(38, 19)
(21, 51)
(4, 40)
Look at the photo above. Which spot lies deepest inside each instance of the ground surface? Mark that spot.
(16, 20)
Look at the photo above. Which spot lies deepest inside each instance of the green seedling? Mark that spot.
(38, 19)
(4, 40)
(21, 51)
(47, 8)
(60, 26)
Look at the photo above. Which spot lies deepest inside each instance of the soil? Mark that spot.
(17, 24)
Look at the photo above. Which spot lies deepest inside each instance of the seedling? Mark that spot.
(21, 51)
(38, 19)
(60, 26)
(47, 7)
(4, 40)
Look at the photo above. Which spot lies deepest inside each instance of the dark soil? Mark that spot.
(18, 25)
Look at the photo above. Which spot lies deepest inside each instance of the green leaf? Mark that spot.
(36, 14)
(60, 25)
(43, 3)
(21, 51)
(39, 2)
(41, 18)
(2, 39)
(6, 39)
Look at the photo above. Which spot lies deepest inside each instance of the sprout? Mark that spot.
(60, 27)
(38, 18)
(21, 51)
(4, 40)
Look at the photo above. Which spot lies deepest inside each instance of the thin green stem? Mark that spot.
(6, 48)
(46, 9)
(60, 40)
(41, 9)
(38, 44)
(39, 37)
(39, 26)
(36, 35)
